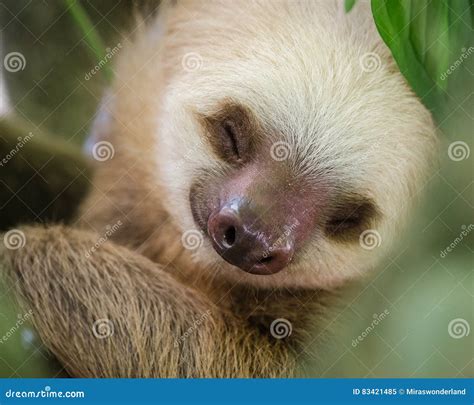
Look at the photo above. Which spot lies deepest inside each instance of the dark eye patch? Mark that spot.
(350, 215)
(231, 132)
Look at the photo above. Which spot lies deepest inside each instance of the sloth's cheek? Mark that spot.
(201, 203)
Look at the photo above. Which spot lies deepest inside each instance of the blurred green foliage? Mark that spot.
(42, 178)
(421, 289)
(89, 31)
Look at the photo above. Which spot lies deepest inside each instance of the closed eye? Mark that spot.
(231, 132)
(230, 140)
(350, 215)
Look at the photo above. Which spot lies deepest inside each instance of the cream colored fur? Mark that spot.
(298, 66)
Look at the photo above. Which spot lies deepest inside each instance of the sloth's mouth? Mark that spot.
(239, 236)
(232, 244)
(246, 247)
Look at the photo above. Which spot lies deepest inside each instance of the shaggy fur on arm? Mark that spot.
(154, 325)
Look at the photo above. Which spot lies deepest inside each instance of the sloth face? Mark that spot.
(265, 205)
(295, 163)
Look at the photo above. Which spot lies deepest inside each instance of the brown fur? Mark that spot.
(238, 121)
(150, 312)
(142, 280)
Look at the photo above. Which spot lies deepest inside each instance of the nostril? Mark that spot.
(266, 259)
(229, 236)
(226, 231)
(243, 241)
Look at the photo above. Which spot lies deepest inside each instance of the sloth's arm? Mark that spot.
(112, 313)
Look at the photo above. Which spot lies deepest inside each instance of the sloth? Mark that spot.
(252, 158)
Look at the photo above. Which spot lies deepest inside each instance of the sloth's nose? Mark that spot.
(237, 236)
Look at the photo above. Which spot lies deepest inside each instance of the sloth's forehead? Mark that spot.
(300, 104)
(291, 134)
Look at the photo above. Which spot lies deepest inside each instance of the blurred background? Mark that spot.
(412, 318)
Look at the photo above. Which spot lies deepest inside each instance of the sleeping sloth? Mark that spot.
(252, 157)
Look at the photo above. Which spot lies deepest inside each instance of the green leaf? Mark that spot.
(426, 38)
(436, 51)
(348, 4)
(90, 33)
